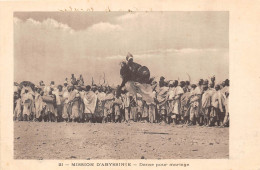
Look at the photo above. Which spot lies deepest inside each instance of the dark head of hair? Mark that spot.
(161, 83)
(88, 87)
(70, 88)
(182, 83)
(59, 86)
(205, 87)
(176, 82)
(187, 83)
(217, 87)
(162, 78)
(193, 86)
(39, 90)
(227, 82)
(223, 83)
(201, 82)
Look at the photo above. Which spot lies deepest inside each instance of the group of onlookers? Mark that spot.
(174, 102)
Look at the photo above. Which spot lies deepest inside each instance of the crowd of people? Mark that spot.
(174, 102)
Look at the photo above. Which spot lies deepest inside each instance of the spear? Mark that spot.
(189, 77)
(104, 77)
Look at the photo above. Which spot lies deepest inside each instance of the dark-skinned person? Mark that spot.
(39, 105)
(100, 104)
(185, 105)
(118, 104)
(90, 101)
(226, 119)
(170, 101)
(177, 102)
(218, 103)
(59, 105)
(108, 105)
(133, 107)
(74, 104)
(206, 103)
(187, 87)
(80, 81)
(194, 104)
(73, 80)
(162, 96)
(50, 107)
(27, 101)
(18, 106)
(126, 105)
(66, 108)
(198, 92)
(177, 108)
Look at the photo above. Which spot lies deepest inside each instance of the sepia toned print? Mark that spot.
(121, 85)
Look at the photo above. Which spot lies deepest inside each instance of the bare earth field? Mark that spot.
(44, 140)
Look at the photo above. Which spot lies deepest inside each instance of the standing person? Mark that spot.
(74, 104)
(27, 100)
(141, 115)
(226, 93)
(18, 107)
(126, 105)
(170, 100)
(187, 87)
(218, 103)
(100, 105)
(198, 92)
(133, 107)
(73, 80)
(50, 112)
(226, 119)
(146, 110)
(39, 105)
(185, 105)
(162, 96)
(59, 98)
(117, 107)
(81, 91)
(194, 104)
(81, 81)
(177, 101)
(152, 108)
(65, 103)
(108, 105)
(206, 103)
(90, 101)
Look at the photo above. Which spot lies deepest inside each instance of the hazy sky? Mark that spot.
(52, 45)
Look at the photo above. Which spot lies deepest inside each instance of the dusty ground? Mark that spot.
(38, 140)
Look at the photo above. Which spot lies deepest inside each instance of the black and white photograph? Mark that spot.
(121, 85)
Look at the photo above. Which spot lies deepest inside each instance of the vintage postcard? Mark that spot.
(126, 86)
